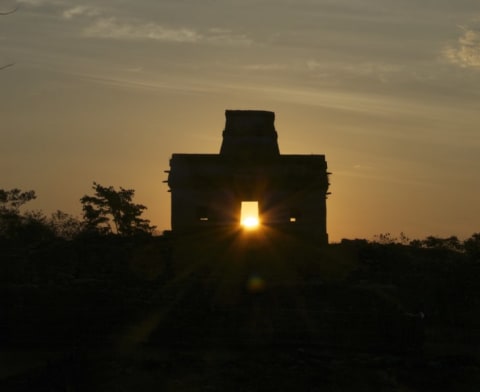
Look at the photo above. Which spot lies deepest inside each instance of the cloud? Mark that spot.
(381, 71)
(80, 10)
(466, 51)
(112, 28)
(38, 3)
(97, 22)
(226, 36)
(266, 67)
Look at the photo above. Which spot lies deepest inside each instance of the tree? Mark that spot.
(10, 217)
(30, 226)
(472, 246)
(112, 211)
(451, 243)
(11, 200)
(64, 225)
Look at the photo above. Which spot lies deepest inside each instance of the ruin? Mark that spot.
(289, 191)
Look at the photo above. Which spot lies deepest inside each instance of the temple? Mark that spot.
(209, 190)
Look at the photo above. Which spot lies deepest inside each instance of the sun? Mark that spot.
(250, 222)
(249, 215)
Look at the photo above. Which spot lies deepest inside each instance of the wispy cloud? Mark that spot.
(226, 36)
(113, 28)
(80, 10)
(101, 21)
(266, 67)
(38, 3)
(466, 51)
(381, 71)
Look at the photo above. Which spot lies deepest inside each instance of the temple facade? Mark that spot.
(208, 190)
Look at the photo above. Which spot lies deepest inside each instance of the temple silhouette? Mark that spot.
(208, 190)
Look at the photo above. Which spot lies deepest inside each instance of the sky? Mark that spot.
(388, 90)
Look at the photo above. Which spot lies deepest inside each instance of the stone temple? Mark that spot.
(290, 191)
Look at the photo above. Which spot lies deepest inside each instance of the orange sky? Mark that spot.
(389, 91)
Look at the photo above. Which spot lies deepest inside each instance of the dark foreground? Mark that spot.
(194, 314)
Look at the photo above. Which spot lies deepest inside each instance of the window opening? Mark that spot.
(294, 216)
(249, 217)
(202, 213)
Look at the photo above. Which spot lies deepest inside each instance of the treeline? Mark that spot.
(108, 211)
(112, 212)
(471, 245)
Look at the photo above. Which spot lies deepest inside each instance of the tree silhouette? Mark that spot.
(472, 246)
(11, 221)
(11, 200)
(64, 225)
(109, 207)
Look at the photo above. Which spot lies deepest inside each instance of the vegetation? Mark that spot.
(17, 226)
(107, 212)
(110, 211)
(470, 247)
(144, 312)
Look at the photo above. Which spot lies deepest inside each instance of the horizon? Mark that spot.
(388, 92)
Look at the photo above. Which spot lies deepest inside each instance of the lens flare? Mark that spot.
(255, 284)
